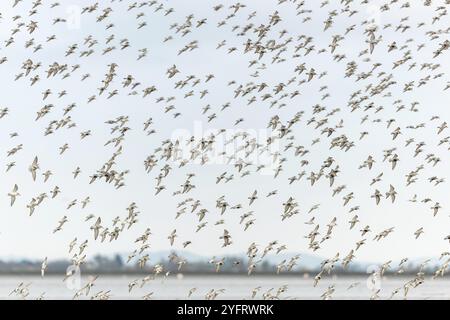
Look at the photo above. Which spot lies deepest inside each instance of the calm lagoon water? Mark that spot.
(235, 287)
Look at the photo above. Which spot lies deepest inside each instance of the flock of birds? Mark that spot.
(389, 63)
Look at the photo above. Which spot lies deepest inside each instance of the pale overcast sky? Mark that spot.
(32, 237)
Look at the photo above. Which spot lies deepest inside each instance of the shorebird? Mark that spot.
(345, 114)
(13, 194)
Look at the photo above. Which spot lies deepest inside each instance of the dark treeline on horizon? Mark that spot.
(237, 266)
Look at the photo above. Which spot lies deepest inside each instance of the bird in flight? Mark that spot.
(273, 130)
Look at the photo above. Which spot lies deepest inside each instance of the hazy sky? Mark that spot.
(24, 236)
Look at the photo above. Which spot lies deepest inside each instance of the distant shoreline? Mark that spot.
(304, 275)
